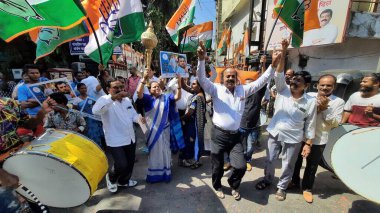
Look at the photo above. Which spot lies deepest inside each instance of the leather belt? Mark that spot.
(232, 132)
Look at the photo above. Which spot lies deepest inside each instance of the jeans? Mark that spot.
(124, 160)
(249, 137)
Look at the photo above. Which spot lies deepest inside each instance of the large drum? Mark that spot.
(62, 168)
(334, 136)
(356, 161)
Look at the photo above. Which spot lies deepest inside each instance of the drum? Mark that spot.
(356, 161)
(334, 136)
(61, 168)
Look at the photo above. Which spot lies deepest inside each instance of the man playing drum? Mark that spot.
(11, 119)
(329, 114)
(363, 107)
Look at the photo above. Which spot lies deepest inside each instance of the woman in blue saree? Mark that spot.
(94, 129)
(164, 133)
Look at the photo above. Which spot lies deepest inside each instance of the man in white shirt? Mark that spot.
(293, 120)
(329, 114)
(118, 115)
(229, 102)
(94, 89)
(326, 34)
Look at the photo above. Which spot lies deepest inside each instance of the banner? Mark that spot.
(77, 47)
(181, 19)
(200, 32)
(324, 23)
(42, 90)
(173, 63)
(21, 16)
(115, 22)
(86, 109)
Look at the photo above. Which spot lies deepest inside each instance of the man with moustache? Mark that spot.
(326, 34)
(229, 101)
(118, 115)
(293, 120)
(329, 114)
(363, 107)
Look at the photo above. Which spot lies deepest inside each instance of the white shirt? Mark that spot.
(327, 119)
(228, 107)
(117, 118)
(294, 119)
(146, 90)
(326, 35)
(91, 84)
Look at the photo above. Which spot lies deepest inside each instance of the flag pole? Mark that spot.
(274, 25)
(97, 41)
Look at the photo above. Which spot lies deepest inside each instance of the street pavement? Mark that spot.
(191, 191)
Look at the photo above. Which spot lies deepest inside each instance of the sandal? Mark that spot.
(280, 195)
(262, 185)
(196, 165)
(235, 193)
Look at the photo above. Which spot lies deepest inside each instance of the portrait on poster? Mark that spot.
(173, 63)
(43, 89)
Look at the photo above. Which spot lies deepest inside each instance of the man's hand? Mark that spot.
(285, 43)
(276, 57)
(101, 67)
(119, 96)
(179, 78)
(306, 151)
(201, 51)
(48, 104)
(263, 59)
(369, 110)
(322, 103)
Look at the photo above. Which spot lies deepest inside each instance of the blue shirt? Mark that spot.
(23, 94)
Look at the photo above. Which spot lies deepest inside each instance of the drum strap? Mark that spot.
(35, 199)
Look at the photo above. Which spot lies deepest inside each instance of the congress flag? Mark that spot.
(115, 22)
(200, 32)
(21, 16)
(48, 39)
(181, 19)
(222, 46)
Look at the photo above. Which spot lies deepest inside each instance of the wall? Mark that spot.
(353, 54)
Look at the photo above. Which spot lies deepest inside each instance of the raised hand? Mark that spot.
(276, 58)
(201, 51)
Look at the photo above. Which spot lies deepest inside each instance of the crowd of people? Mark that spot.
(172, 116)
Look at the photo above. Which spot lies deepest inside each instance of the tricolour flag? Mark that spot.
(200, 32)
(222, 46)
(293, 17)
(181, 19)
(48, 39)
(115, 22)
(21, 16)
(228, 37)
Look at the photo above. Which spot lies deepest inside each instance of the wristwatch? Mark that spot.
(309, 144)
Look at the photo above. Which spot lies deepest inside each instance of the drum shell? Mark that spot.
(64, 163)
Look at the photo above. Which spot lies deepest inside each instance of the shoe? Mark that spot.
(131, 183)
(226, 166)
(280, 195)
(112, 187)
(308, 196)
(186, 163)
(219, 193)
(235, 193)
(249, 167)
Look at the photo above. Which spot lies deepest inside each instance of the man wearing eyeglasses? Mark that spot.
(118, 115)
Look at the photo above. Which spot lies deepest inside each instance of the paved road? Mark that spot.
(191, 191)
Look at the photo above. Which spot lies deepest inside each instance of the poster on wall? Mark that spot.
(326, 24)
(173, 63)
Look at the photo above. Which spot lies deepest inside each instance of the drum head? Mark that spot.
(356, 161)
(45, 172)
(334, 135)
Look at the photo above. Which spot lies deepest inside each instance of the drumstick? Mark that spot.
(35, 199)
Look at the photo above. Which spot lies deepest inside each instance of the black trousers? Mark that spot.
(224, 142)
(312, 162)
(124, 160)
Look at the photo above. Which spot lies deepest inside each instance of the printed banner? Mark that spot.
(173, 63)
(42, 90)
(86, 109)
(331, 16)
(77, 47)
